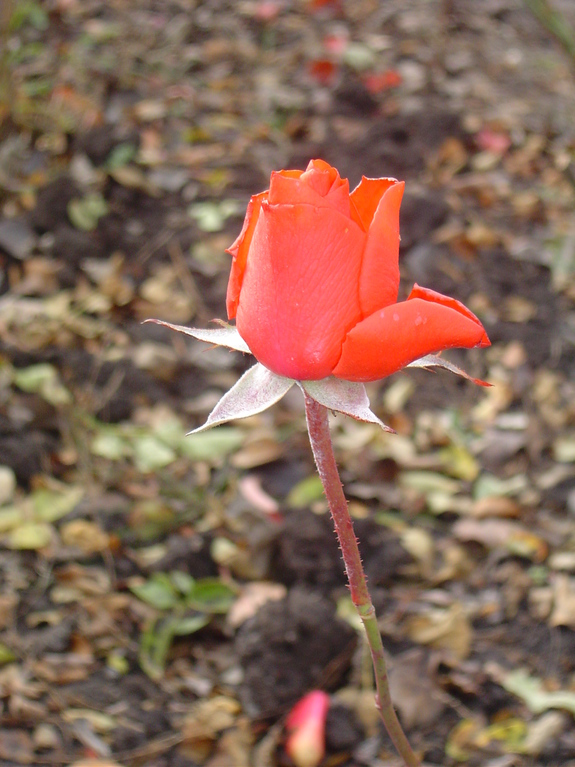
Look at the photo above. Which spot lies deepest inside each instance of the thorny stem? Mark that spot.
(321, 445)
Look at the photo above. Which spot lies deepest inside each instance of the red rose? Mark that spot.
(315, 277)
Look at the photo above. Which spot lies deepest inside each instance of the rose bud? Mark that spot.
(315, 279)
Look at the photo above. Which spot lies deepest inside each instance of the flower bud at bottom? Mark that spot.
(305, 725)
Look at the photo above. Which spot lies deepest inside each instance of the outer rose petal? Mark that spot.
(379, 280)
(393, 337)
(299, 293)
(367, 195)
(432, 295)
(239, 251)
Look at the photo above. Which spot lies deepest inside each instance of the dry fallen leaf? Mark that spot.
(502, 533)
(205, 722)
(495, 506)
(413, 690)
(443, 629)
(16, 747)
(84, 535)
(563, 613)
(253, 596)
(544, 730)
(257, 452)
(233, 748)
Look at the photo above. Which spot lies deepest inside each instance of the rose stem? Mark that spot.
(321, 445)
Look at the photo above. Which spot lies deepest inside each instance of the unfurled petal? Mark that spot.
(299, 294)
(393, 337)
(379, 281)
(366, 197)
(452, 303)
(239, 251)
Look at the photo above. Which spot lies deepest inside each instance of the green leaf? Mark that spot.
(305, 493)
(488, 485)
(10, 517)
(118, 663)
(85, 213)
(211, 595)
(28, 12)
(30, 536)
(38, 86)
(158, 592)
(154, 647)
(531, 691)
(359, 57)
(183, 582)
(111, 444)
(459, 462)
(346, 611)
(510, 732)
(152, 519)
(158, 637)
(211, 216)
(6, 655)
(191, 624)
(564, 448)
(428, 482)
(150, 453)
(170, 431)
(121, 155)
(50, 505)
(208, 445)
(43, 379)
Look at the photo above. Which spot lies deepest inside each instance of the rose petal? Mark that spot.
(432, 295)
(379, 281)
(320, 185)
(239, 251)
(299, 294)
(305, 724)
(324, 178)
(367, 195)
(391, 338)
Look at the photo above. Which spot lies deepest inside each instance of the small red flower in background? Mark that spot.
(377, 82)
(495, 141)
(323, 71)
(315, 278)
(316, 5)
